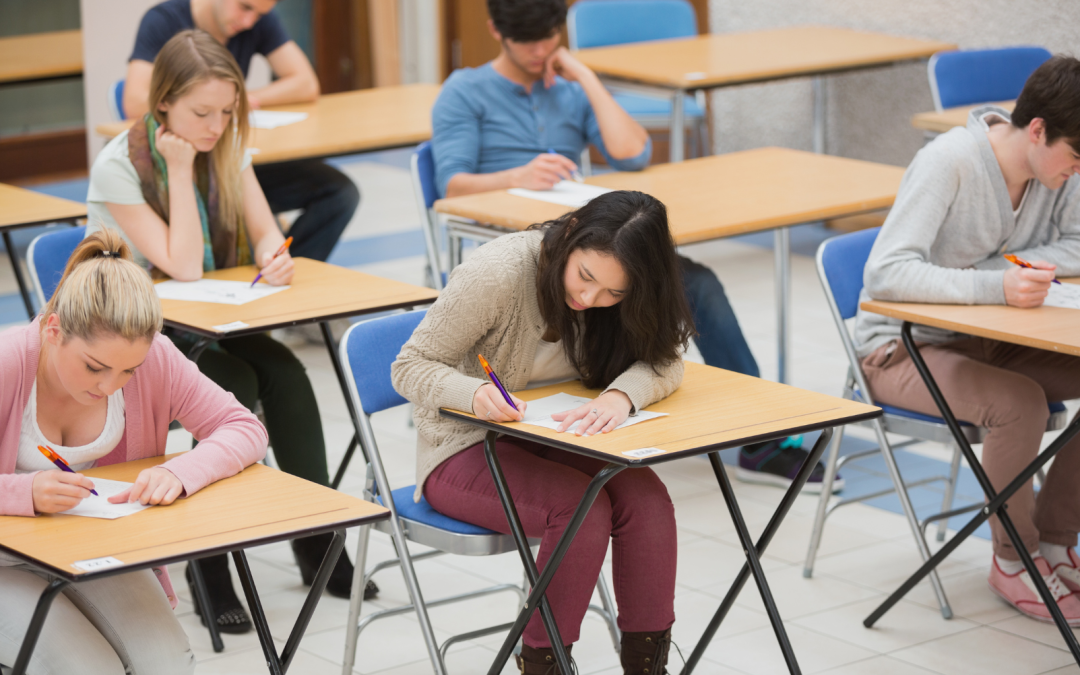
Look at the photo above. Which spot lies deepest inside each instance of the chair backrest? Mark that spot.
(973, 76)
(840, 265)
(47, 257)
(423, 179)
(116, 101)
(600, 23)
(368, 349)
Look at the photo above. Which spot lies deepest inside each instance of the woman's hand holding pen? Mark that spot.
(488, 404)
(600, 415)
(277, 271)
(55, 491)
(153, 486)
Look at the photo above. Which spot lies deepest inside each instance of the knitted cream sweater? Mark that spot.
(489, 307)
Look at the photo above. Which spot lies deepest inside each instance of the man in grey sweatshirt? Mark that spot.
(1004, 184)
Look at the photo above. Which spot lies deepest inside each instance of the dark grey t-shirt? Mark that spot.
(165, 20)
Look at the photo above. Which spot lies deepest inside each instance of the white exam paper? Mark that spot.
(271, 119)
(565, 192)
(215, 290)
(1063, 295)
(538, 413)
(99, 506)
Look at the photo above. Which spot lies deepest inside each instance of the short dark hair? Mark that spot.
(1052, 93)
(652, 323)
(527, 20)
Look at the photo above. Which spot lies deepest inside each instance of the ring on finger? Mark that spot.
(595, 412)
(489, 414)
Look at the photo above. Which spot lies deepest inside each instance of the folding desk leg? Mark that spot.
(203, 597)
(37, 622)
(997, 501)
(23, 290)
(317, 587)
(540, 581)
(198, 348)
(331, 346)
(782, 263)
(258, 617)
(763, 541)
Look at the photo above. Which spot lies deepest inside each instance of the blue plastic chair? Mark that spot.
(47, 257)
(603, 23)
(975, 76)
(422, 167)
(368, 349)
(116, 101)
(840, 263)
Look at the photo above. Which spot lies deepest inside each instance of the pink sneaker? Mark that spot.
(1070, 574)
(1018, 591)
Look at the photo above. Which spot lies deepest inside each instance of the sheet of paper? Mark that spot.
(539, 412)
(565, 192)
(271, 119)
(215, 290)
(1063, 295)
(99, 507)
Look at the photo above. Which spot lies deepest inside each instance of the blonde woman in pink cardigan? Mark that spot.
(93, 378)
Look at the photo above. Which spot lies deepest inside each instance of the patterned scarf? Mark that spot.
(223, 247)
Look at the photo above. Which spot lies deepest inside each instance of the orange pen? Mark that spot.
(1016, 260)
(59, 461)
(284, 247)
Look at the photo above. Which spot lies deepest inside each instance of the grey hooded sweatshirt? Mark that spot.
(944, 238)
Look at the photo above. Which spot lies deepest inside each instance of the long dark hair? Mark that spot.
(652, 323)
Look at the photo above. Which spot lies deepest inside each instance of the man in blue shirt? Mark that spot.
(248, 27)
(494, 127)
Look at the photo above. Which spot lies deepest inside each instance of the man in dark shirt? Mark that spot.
(248, 27)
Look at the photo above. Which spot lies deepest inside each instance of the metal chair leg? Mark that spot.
(823, 502)
(609, 612)
(950, 491)
(356, 601)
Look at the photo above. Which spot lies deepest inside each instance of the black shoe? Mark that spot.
(777, 463)
(230, 615)
(309, 553)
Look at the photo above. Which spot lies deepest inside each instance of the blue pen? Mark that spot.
(575, 174)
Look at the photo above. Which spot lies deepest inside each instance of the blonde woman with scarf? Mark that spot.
(180, 188)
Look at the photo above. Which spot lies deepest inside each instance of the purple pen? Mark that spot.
(495, 380)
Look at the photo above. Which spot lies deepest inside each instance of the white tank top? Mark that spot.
(81, 457)
(550, 365)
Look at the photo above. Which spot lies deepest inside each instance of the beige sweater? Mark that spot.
(489, 307)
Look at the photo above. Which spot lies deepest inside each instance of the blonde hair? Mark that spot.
(103, 292)
(189, 58)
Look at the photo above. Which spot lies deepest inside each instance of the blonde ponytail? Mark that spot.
(103, 292)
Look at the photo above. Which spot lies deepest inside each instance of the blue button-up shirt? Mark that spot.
(483, 123)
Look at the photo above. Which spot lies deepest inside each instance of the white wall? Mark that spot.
(869, 112)
(109, 28)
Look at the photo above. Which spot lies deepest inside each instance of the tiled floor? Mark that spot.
(865, 553)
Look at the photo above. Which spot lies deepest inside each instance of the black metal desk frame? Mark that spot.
(995, 505)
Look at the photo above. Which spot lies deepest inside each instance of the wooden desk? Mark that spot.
(41, 56)
(674, 67)
(710, 198)
(25, 208)
(263, 506)
(713, 409)
(934, 122)
(341, 124)
(1049, 328)
(319, 293)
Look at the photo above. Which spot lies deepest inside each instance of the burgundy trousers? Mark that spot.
(633, 512)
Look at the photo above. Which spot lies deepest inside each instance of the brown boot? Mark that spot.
(645, 653)
(538, 661)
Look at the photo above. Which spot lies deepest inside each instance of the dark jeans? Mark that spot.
(720, 339)
(258, 368)
(326, 195)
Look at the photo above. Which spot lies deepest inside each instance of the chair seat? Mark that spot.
(422, 512)
(642, 106)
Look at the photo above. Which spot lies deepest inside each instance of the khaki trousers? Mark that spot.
(1005, 388)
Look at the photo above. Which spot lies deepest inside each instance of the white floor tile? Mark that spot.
(758, 653)
(905, 625)
(984, 650)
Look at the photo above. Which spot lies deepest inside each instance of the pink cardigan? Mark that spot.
(165, 387)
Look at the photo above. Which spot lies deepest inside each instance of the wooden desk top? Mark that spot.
(940, 122)
(1055, 329)
(257, 506)
(712, 410)
(20, 208)
(319, 292)
(720, 196)
(726, 59)
(40, 56)
(339, 124)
